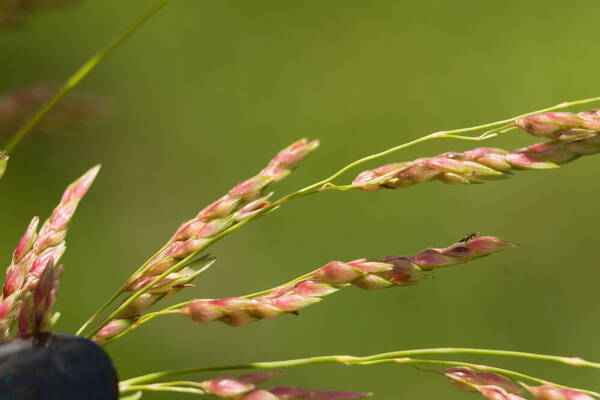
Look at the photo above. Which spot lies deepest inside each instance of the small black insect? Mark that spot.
(469, 237)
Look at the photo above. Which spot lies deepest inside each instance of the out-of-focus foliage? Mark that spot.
(14, 12)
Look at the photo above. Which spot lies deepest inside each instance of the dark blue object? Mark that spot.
(56, 366)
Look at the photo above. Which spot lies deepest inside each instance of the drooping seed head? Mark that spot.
(362, 273)
(478, 165)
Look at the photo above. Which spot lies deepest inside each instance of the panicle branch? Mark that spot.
(32, 277)
(239, 203)
(476, 166)
(362, 273)
(165, 288)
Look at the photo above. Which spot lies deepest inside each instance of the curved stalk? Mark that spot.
(347, 359)
(81, 73)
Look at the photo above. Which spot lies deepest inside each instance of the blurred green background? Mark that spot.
(208, 91)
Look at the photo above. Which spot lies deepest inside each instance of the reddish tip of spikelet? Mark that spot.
(27, 240)
(77, 189)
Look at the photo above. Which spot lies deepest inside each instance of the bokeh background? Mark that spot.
(207, 92)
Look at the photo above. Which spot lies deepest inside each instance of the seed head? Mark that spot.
(242, 201)
(29, 271)
(476, 166)
(362, 273)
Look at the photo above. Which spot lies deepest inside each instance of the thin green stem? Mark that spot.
(346, 359)
(91, 319)
(142, 320)
(160, 388)
(160, 277)
(174, 309)
(81, 73)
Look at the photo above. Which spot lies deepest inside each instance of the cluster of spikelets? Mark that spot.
(192, 236)
(363, 273)
(572, 135)
(245, 388)
(32, 278)
(496, 387)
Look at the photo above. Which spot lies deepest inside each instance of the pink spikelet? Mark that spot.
(242, 201)
(245, 388)
(549, 392)
(29, 266)
(112, 329)
(561, 125)
(476, 166)
(478, 378)
(35, 314)
(365, 274)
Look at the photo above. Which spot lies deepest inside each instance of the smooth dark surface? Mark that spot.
(48, 366)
